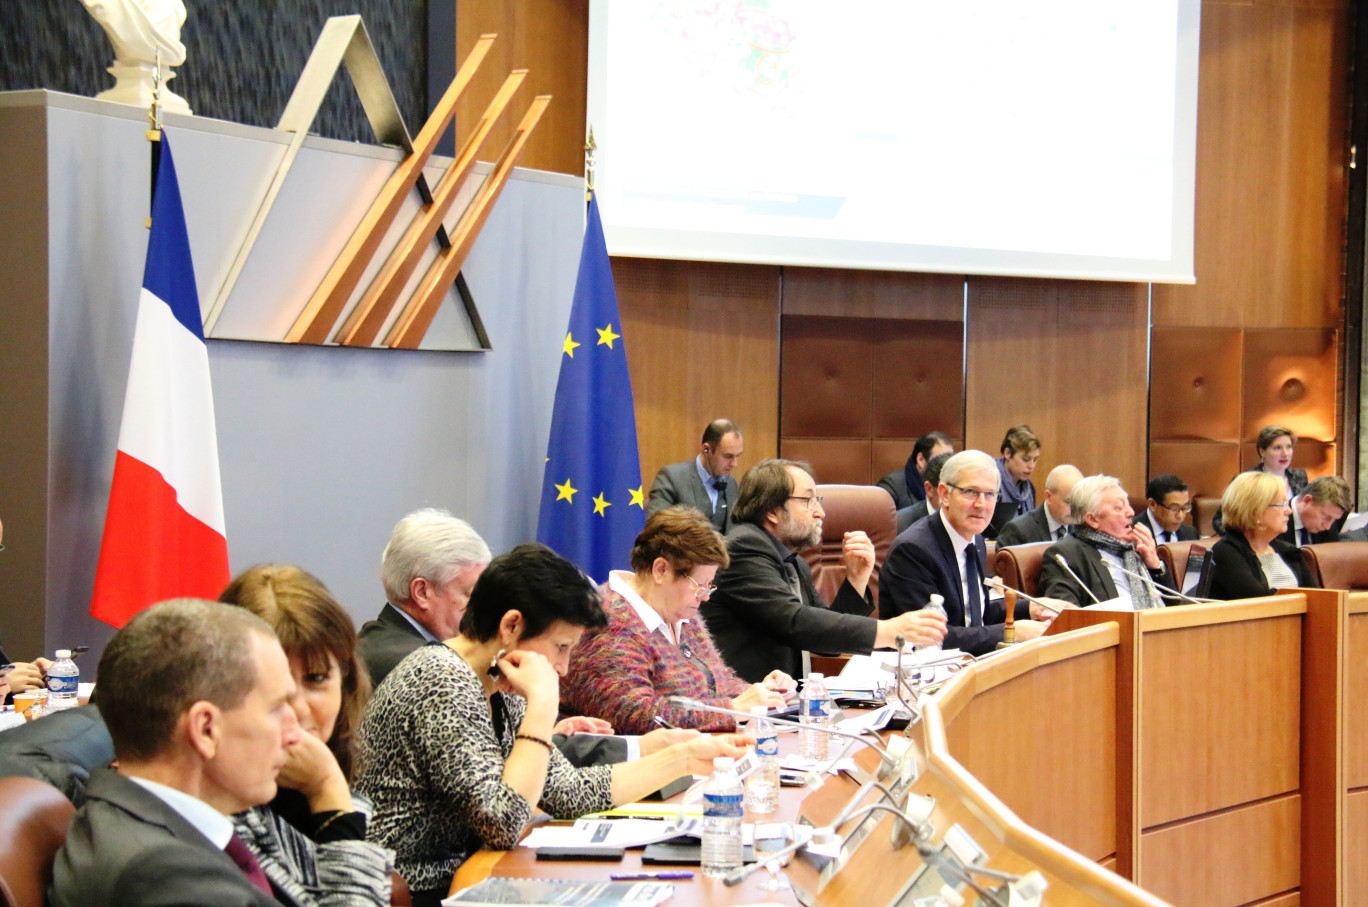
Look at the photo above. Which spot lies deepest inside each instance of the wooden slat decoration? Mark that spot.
(408, 330)
(323, 308)
(370, 313)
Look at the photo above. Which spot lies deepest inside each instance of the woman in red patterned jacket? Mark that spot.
(655, 646)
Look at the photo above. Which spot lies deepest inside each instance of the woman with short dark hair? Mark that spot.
(457, 741)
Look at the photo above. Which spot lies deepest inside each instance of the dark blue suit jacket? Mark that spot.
(922, 561)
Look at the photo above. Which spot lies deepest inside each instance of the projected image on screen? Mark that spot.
(980, 136)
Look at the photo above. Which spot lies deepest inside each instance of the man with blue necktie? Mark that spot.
(944, 555)
(704, 482)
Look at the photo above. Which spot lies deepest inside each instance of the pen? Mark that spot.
(651, 876)
(661, 722)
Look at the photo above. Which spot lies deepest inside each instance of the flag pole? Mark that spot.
(590, 146)
(153, 133)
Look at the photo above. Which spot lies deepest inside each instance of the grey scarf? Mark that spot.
(1142, 594)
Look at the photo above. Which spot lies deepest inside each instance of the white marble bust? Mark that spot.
(139, 29)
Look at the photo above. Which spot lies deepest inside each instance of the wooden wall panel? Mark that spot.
(873, 294)
(1234, 857)
(551, 39)
(1195, 385)
(1290, 379)
(1069, 359)
(1270, 177)
(1217, 727)
(702, 343)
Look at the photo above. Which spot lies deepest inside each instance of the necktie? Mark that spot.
(1305, 537)
(972, 578)
(1059, 533)
(720, 483)
(240, 854)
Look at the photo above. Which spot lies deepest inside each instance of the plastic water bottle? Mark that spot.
(762, 784)
(935, 604)
(814, 711)
(723, 806)
(64, 681)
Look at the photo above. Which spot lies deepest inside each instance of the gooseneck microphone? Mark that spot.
(1158, 585)
(997, 585)
(1065, 564)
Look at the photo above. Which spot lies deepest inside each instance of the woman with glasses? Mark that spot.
(654, 646)
(1251, 561)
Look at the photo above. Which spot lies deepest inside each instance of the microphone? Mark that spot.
(1065, 564)
(997, 585)
(914, 714)
(1158, 585)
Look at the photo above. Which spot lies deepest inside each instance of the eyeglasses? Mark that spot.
(974, 495)
(811, 501)
(1178, 509)
(1280, 505)
(700, 592)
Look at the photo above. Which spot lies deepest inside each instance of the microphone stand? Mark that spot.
(1158, 585)
(1065, 564)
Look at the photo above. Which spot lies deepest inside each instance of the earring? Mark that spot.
(1258, 525)
(494, 669)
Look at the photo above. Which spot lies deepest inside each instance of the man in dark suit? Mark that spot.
(1048, 522)
(944, 555)
(928, 504)
(908, 485)
(765, 610)
(704, 482)
(196, 696)
(1107, 554)
(1318, 512)
(1167, 505)
(429, 569)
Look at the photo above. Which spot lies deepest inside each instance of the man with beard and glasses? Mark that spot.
(766, 611)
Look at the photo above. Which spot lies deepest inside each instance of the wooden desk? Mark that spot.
(521, 862)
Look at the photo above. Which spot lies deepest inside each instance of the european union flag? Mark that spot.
(592, 505)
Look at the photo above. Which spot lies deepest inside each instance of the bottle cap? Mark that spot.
(723, 763)
(759, 710)
(63, 653)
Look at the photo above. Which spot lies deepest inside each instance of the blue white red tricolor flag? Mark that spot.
(164, 532)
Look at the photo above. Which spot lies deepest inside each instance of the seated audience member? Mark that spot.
(1167, 505)
(1020, 453)
(310, 839)
(196, 696)
(428, 569)
(457, 742)
(1048, 522)
(654, 646)
(908, 485)
(765, 610)
(705, 482)
(1101, 545)
(1318, 512)
(944, 555)
(1274, 446)
(1251, 560)
(929, 504)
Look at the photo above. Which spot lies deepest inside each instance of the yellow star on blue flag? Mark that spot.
(593, 442)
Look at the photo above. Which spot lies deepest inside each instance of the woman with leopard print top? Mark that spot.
(457, 741)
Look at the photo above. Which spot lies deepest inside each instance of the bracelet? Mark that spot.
(336, 814)
(545, 743)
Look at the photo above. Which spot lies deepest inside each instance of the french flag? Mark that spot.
(164, 535)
